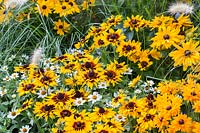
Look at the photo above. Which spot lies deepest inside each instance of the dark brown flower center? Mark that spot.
(78, 126)
(148, 116)
(133, 21)
(71, 4)
(78, 94)
(110, 124)
(91, 74)
(60, 96)
(44, 7)
(101, 110)
(76, 115)
(66, 113)
(166, 36)
(60, 131)
(110, 74)
(64, 7)
(128, 48)
(175, 21)
(181, 121)
(24, 105)
(48, 107)
(60, 26)
(130, 105)
(112, 37)
(150, 96)
(29, 87)
(45, 78)
(168, 107)
(193, 93)
(111, 21)
(187, 52)
(88, 64)
(103, 131)
(100, 42)
(161, 119)
(144, 64)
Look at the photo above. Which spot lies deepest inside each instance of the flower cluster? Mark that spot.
(106, 82)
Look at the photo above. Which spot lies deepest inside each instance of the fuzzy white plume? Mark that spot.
(36, 57)
(179, 7)
(14, 3)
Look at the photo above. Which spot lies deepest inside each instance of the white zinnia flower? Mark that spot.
(102, 85)
(128, 72)
(4, 68)
(138, 91)
(120, 118)
(13, 114)
(2, 91)
(14, 76)
(179, 7)
(94, 97)
(79, 101)
(24, 129)
(150, 82)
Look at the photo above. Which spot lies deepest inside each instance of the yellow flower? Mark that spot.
(66, 8)
(87, 3)
(44, 110)
(46, 79)
(146, 121)
(4, 15)
(103, 129)
(196, 106)
(135, 22)
(129, 48)
(27, 104)
(144, 63)
(160, 21)
(186, 55)
(111, 75)
(44, 7)
(61, 98)
(134, 81)
(168, 105)
(77, 125)
(61, 27)
(196, 127)
(191, 91)
(166, 37)
(181, 123)
(182, 21)
(26, 86)
(155, 54)
(101, 114)
(114, 37)
(112, 21)
(131, 107)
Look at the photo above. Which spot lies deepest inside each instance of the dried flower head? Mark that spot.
(180, 8)
(36, 57)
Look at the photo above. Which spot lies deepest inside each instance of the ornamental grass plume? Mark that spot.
(15, 3)
(36, 57)
(180, 7)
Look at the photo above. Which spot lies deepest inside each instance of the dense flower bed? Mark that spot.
(127, 74)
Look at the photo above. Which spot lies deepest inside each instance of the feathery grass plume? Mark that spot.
(14, 3)
(36, 57)
(180, 8)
